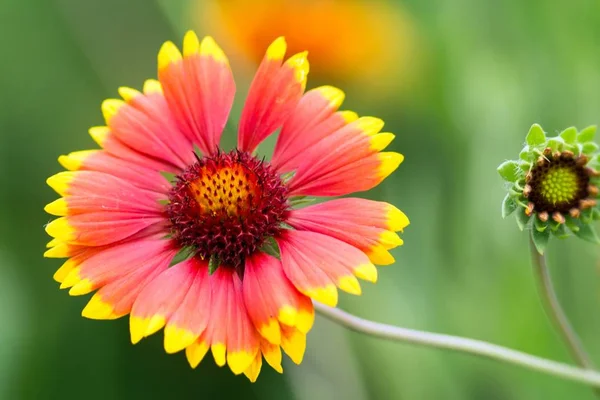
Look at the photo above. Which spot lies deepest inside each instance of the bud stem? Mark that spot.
(460, 344)
(555, 311)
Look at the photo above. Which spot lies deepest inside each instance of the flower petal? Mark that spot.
(271, 298)
(99, 229)
(144, 123)
(274, 93)
(145, 177)
(313, 119)
(346, 161)
(366, 224)
(101, 266)
(162, 298)
(316, 264)
(191, 317)
(230, 333)
(199, 89)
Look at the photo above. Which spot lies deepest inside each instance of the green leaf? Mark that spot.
(569, 135)
(589, 148)
(522, 218)
(213, 264)
(508, 170)
(508, 206)
(540, 239)
(535, 136)
(587, 134)
(587, 232)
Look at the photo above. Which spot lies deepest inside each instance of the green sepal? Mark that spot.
(540, 225)
(526, 154)
(589, 148)
(301, 200)
(540, 239)
(271, 247)
(522, 218)
(569, 135)
(555, 143)
(561, 232)
(508, 170)
(572, 224)
(587, 232)
(213, 264)
(586, 216)
(535, 136)
(587, 134)
(508, 206)
(595, 214)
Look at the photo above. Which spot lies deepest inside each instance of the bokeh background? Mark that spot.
(458, 81)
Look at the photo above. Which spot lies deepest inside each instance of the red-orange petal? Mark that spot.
(271, 298)
(316, 264)
(274, 93)
(160, 299)
(313, 119)
(366, 224)
(199, 89)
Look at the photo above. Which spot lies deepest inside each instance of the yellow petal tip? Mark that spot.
(152, 86)
(110, 108)
(218, 352)
(128, 94)
(210, 48)
(97, 309)
(239, 361)
(59, 208)
(168, 54)
(99, 134)
(368, 272)
(381, 141)
(327, 295)
(277, 49)
(349, 284)
(333, 95)
(389, 162)
(195, 353)
(191, 44)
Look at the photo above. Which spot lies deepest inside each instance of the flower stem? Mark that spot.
(555, 311)
(464, 345)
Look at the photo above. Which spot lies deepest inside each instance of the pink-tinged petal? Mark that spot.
(99, 187)
(190, 319)
(162, 298)
(116, 299)
(144, 123)
(317, 263)
(100, 228)
(314, 118)
(232, 337)
(346, 161)
(274, 94)
(199, 89)
(111, 263)
(105, 138)
(271, 298)
(366, 224)
(357, 176)
(145, 177)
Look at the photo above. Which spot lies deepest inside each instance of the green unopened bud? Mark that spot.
(553, 185)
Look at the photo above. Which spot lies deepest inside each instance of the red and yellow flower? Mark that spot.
(122, 222)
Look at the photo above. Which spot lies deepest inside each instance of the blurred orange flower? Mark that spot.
(369, 43)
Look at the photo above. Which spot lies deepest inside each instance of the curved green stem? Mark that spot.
(555, 311)
(460, 344)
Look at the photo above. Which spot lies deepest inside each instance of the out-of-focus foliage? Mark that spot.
(487, 71)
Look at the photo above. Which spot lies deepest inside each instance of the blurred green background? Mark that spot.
(486, 71)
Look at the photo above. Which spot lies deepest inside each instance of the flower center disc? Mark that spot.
(226, 205)
(558, 184)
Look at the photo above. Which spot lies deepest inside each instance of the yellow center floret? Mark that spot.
(560, 185)
(226, 191)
